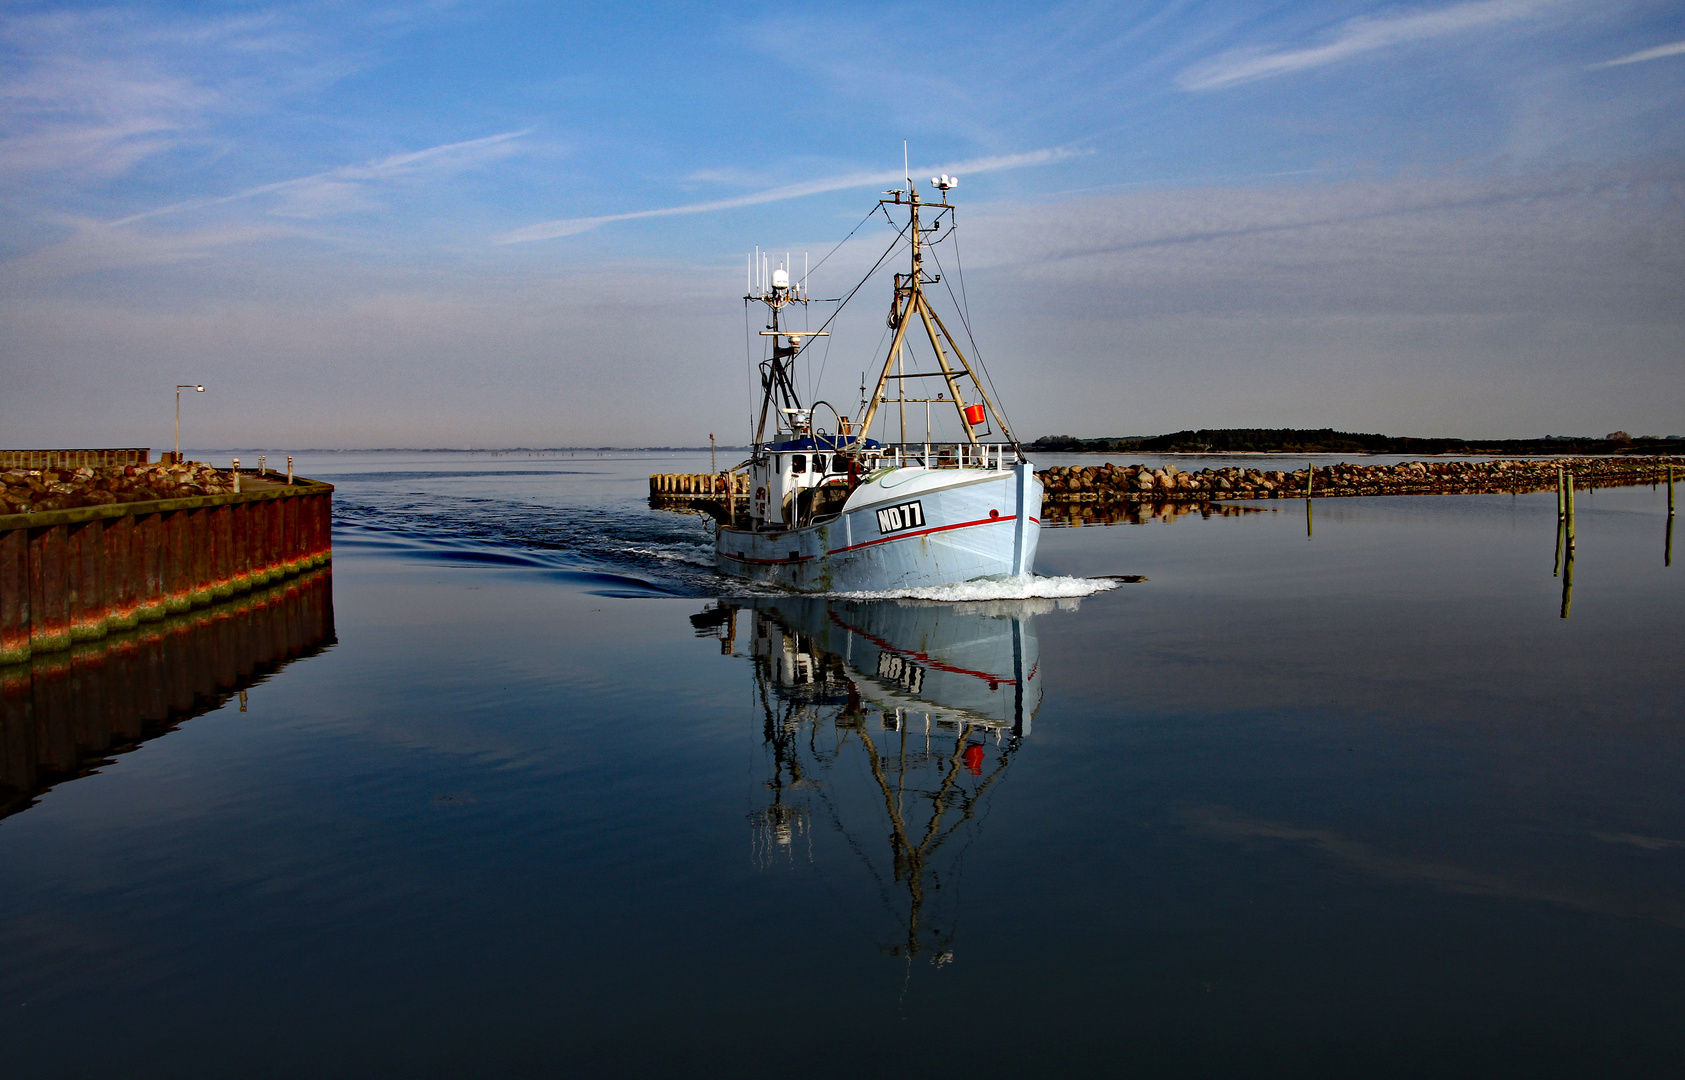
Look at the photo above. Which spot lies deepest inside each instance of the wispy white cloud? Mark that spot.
(1658, 53)
(93, 93)
(550, 230)
(96, 246)
(127, 242)
(341, 188)
(1354, 38)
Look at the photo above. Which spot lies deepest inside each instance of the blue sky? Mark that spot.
(502, 224)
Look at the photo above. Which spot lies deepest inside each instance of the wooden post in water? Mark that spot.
(1310, 471)
(1568, 517)
(1561, 511)
(1670, 491)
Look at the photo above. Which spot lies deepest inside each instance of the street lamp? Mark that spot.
(197, 388)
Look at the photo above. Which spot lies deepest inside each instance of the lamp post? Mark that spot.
(197, 388)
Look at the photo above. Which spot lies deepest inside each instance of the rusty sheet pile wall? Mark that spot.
(68, 576)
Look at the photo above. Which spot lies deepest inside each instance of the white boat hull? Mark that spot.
(909, 527)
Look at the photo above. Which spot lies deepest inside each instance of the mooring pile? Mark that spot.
(1142, 483)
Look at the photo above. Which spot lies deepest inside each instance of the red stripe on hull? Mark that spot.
(745, 558)
(925, 532)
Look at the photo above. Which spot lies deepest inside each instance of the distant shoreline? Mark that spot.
(1301, 441)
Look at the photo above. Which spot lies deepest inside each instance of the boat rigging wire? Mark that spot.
(833, 251)
(963, 308)
(894, 246)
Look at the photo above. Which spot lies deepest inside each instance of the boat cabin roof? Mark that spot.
(826, 442)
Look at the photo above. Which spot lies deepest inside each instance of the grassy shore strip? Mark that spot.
(1138, 483)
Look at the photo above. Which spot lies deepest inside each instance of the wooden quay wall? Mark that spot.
(75, 575)
(74, 459)
(679, 486)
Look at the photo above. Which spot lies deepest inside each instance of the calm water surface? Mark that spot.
(550, 798)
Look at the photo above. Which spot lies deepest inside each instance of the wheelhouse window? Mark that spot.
(819, 463)
(798, 463)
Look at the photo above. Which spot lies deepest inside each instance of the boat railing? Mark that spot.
(955, 455)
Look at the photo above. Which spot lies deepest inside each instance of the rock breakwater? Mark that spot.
(24, 491)
(1136, 512)
(1141, 483)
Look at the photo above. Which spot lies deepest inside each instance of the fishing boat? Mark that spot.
(834, 507)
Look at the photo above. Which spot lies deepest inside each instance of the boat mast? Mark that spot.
(910, 299)
(778, 388)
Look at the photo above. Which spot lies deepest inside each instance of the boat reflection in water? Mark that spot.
(64, 714)
(899, 714)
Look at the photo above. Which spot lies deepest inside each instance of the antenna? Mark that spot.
(906, 168)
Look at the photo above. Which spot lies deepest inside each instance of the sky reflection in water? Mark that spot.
(1358, 803)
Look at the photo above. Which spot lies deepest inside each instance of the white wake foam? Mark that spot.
(693, 554)
(1025, 587)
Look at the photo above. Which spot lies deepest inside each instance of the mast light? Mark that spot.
(944, 182)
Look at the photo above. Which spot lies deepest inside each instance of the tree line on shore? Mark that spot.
(1329, 441)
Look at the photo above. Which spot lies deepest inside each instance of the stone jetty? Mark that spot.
(31, 491)
(1140, 483)
(1063, 515)
(1093, 488)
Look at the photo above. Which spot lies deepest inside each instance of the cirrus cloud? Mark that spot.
(1354, 38)
(1658, 53)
